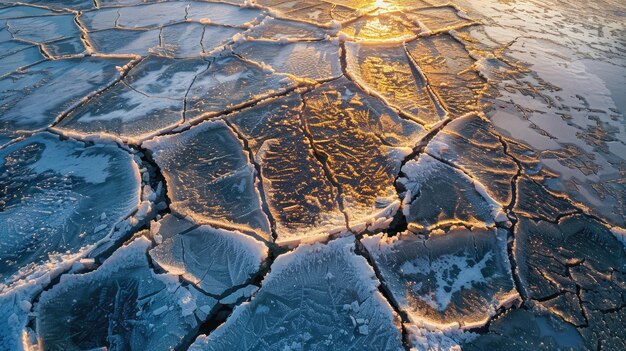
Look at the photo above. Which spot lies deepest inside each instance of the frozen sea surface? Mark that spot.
(312, 175)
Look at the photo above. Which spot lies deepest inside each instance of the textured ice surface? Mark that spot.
(472, 144)
(363, 143)
(449, 71)
(318, 12)
(461, 277)
(210, 178)
(60, 196)
(387, 71)
(301, 198)
(231, 83)
(486, 137)
(215, 260)
(575, 268)
(150, 99)
(25, 95)
(525, 330)
(317, 60)
(285, 30)
(317, 297)
(438, 194)
(123, 305)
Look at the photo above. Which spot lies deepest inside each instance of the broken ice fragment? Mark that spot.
(317, 60)
(458, 278)
(230, 83)
(438, 194)
(215, 260)
(298, 304)
(125, 113)
(472, 144)
(301, 198)
(386, 71)
(362, 143)
(448, 67)
(210, 178)
(136, 309)
(54, 192)
(26, 95)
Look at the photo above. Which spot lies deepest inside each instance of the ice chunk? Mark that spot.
(43, 29)
(576, 269)
(386, 71)
(136, 308)
(124, 41)
(13, 321)
(150, 100)
(54, 194)
(215, 260)
(317, 12)
(210, 178)
(124, 113)
(285, 30)
(458, 278)
(363, 143)
(440, 19)
(317, 60)
(230, 83)
(389, 27)
(312, 299)
(239, 295)
(448, 69)
(301, 198)
(438, 194)
(26, 103)
(472, 144)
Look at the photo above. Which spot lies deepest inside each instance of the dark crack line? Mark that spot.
(87, 99)
(386, 293)
(322, 158)
(259, 176)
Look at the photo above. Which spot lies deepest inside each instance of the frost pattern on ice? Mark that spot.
(60, 196)
(438, 194)
(136, 309)
(317, 297)
(459, 278)
(215, 260)
(27, 105)
(210, 178)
